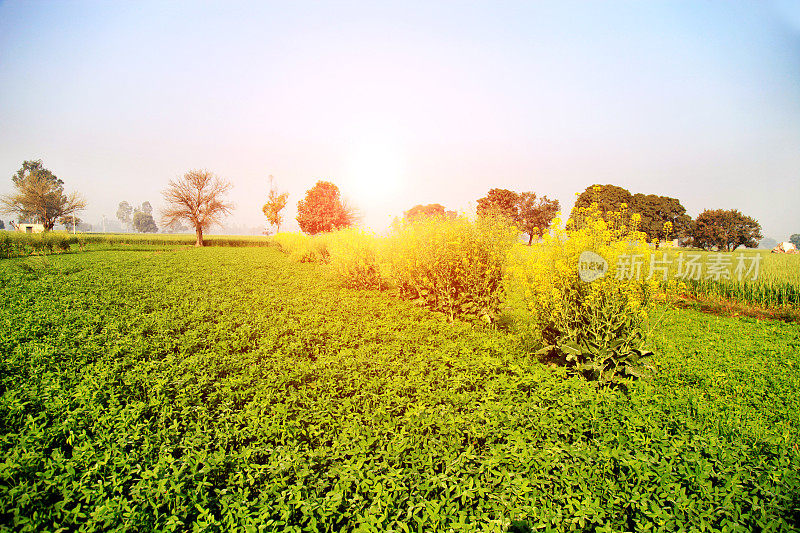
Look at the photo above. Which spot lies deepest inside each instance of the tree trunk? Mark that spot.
(530, 238)
(199, 231)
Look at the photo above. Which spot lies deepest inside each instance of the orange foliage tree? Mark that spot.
(324, 210)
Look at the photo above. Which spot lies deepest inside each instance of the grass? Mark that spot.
(226, 389)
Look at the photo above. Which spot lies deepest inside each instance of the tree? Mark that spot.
(124, 212)
(656, 211)
(323, 210)
(40, 196)
(146, 208)
(607, 197)
(422, 211)
(35, 168)
(198, 198)
(2, 225)
(725, 229)
(536, 214)
(501, 202)
(143, 222)
(794, 239)
(275, 204)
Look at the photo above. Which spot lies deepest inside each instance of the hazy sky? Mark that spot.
(408, 103)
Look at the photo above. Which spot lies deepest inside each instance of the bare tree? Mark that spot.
(196, 197)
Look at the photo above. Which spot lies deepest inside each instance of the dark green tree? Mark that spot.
(35, 168)
(144, 223)
(607, 197)
(656, 211)
(795, 239)
(725, 230)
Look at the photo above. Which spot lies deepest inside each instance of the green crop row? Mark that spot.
(14, 244)
(224, 389)
(764, 293)
(183, 239)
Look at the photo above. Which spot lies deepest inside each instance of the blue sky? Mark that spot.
(409, 103)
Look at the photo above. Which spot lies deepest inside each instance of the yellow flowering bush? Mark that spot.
(591, 325)
(354, 256)
(452, 265)
(304, 248)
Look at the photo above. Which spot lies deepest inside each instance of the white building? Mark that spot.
(30, 228)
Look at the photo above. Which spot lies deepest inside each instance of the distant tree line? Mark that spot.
(720, 229)
(137, 218)
(197, 198)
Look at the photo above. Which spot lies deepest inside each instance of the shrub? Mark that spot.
(453, 265)
(354, 256)
(596, 328)
(303, 248)
(7, 245)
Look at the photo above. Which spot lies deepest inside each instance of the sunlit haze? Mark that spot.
(408, 103)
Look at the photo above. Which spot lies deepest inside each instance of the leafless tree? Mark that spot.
(196, 197)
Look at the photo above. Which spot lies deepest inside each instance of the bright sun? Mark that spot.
(374, 172)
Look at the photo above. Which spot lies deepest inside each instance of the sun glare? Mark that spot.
(375, 173)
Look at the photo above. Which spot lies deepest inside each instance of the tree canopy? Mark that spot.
(124, 212)
(39, 196)
(725, 229)
(795, 239)
(536, 214)
(531, 214)
(143, 222)
(500, 202)
(655, 210)
(323, 210)
(197, 197)
(607, 197)
(420, 211)
(275, 203)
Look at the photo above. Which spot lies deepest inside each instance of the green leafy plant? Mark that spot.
(452, 265)
(612, 364)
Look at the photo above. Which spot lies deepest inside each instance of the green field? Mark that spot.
(230, 389)
(16, 244)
